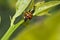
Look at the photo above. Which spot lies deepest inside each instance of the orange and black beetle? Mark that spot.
(28, 15)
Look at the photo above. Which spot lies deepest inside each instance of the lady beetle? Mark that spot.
(28, 15)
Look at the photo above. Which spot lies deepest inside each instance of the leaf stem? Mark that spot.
(11, 30)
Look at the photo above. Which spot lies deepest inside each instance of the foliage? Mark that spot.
(42, 8)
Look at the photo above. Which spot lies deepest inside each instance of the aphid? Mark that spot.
(28, 15)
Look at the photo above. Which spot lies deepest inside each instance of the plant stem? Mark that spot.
(11, 30)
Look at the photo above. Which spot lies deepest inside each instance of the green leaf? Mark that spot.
(21, 5)
(31, 5)
(39, 4)
(45, 7)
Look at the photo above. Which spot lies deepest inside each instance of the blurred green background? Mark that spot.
(39, 28)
